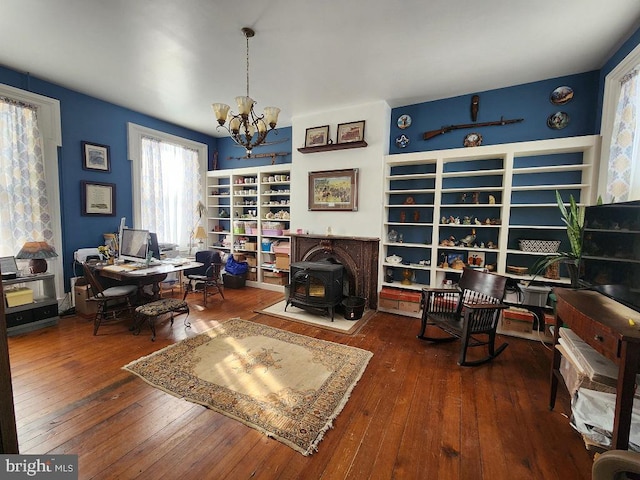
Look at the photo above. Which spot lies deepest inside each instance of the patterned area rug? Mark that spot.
(286, 385)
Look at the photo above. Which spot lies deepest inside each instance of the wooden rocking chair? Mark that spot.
(470, 309)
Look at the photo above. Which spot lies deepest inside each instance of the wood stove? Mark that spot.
(316, 286)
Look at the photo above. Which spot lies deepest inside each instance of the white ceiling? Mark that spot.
(173, 58)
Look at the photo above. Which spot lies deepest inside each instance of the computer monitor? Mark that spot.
(134, 245)
(154, 248)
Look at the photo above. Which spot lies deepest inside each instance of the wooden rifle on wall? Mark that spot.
(434, 133)
(273, 156)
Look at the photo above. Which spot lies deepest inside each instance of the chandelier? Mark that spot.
(246, 128)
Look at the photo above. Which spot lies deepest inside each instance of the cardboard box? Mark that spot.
(282, 261)
(84, 307)
(271, 273)
(513, 325)
(276, 280)
(405, 306)
(399, 294)
(18, 296)
(252, 275)
(388, 303)
(282, 247)
(252, 261)
(251, 246)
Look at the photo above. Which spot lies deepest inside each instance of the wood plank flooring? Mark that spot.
(414, 414)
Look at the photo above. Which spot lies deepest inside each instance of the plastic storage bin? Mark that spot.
(534, 295)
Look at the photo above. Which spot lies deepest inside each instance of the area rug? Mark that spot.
(290, 387)
(339, 324)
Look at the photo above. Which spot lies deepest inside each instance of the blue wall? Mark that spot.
(528, 101)
(85, 118)
(230, 155)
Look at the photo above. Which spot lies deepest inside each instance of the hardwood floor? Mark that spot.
(414, 414)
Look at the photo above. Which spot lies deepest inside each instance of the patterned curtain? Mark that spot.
(24, 211)
(624, 154)
(171, 187)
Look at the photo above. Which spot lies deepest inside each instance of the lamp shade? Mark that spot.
(200, 233)
(36, 253)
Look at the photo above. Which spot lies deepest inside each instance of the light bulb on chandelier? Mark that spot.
(246, 127)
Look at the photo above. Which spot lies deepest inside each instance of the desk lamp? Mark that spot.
(200, 235)
(36, 253)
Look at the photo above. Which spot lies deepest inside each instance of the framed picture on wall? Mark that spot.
(317, 136)
(98, 198)
(351, 132)
(334, 190)
(95, 157)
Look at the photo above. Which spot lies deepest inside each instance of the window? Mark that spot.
(620, 160)
(29, 137)
(167, 184)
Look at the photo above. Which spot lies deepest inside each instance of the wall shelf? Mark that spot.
(333, 146)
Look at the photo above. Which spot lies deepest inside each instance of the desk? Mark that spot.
(603, 323)
(144, 276)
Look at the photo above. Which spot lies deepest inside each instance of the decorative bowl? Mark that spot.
(394, 259)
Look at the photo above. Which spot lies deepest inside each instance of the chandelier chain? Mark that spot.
(247, 38)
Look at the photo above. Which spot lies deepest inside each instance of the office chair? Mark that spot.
(206, 278)
(111, 301)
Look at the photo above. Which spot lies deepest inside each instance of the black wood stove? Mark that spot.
(316, 286)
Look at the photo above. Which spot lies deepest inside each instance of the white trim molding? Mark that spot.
(612, 87)
(135, 133)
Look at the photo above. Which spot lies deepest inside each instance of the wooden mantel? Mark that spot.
(359, 255)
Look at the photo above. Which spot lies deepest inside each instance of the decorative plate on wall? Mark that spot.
(402, 141)
(404, 121)
(472, 140)
(558, 120)
(561, 95)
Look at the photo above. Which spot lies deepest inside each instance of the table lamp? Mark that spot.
(200, 235)
(37, 254)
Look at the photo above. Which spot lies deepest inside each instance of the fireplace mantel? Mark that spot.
(359, 255)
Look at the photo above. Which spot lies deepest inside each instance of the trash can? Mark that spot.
(353, 307)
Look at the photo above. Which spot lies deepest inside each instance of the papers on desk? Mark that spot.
(116, 268)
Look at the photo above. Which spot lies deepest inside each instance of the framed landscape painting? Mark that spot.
(334, 190)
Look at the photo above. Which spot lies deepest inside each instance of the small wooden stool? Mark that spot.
(153, 310)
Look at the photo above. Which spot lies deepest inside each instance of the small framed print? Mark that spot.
(351, 132)
(98, 198)
(95, 157)
(317, 136)
(334, 190)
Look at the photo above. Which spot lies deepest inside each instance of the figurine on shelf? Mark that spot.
(492, 200)
(469, 239)
(475, 197)
(406, 276)
(403, 216)
(416, 216)
(466, 220)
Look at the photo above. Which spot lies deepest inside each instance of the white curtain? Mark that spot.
(623, 176)
(170, 190)
(24, 211)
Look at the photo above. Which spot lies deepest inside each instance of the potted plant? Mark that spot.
(573, 218)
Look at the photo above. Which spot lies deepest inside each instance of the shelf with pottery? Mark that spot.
(251, 189)
(507, 193)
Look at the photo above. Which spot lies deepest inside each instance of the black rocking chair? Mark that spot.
(466, 311)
